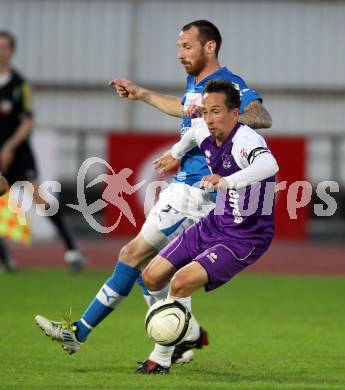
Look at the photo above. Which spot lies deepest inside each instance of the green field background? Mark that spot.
(266, 332)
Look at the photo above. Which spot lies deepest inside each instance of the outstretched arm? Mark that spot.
(171, 159)
(170, 105)
(256, 116)
(192, 138)
(166, 163)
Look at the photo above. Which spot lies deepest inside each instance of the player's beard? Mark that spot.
(194, 69)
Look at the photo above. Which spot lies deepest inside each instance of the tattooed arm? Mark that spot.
(256, 116)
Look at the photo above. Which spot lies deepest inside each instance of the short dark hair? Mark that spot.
(232, 95)
(10, 37)
(207, 31)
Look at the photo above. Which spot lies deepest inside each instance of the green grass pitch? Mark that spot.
(266, 332)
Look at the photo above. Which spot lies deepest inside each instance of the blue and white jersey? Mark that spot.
(193, 165)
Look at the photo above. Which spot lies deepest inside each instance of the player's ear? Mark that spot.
(210, 47)
(236, 112)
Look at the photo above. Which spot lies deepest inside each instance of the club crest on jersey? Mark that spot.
(208, 156)
(226, 161)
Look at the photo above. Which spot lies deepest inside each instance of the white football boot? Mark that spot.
(63, 332)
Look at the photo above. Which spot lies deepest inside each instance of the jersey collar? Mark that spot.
(211, 76)
(229, 139)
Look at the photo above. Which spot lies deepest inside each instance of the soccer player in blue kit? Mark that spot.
(179, 206)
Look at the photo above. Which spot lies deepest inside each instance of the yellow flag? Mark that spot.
(9, 224)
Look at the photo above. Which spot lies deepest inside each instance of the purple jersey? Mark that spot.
(240, 229)
(247, 212)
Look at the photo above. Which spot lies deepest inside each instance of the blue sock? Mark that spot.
(142, 285)
(114, 290)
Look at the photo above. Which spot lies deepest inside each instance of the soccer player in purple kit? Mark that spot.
(217, 247)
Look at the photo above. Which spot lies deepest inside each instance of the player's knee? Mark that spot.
(130, 255)
(150, 281)
(153, 280)
(178, 285)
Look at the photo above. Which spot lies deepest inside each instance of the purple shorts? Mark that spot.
(221, 255)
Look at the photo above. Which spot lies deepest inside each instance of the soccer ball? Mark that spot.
(168, 322)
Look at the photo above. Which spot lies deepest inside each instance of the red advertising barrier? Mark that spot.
(290, 154)
(138, 150)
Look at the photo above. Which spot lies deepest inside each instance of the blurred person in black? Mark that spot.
(17, 162)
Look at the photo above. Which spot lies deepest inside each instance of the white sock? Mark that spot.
(162, 355)
(160, 294)
(149, 300)
(194, 333)
(186, 301)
